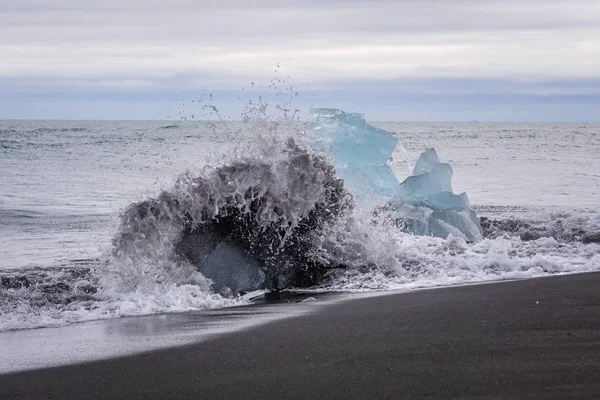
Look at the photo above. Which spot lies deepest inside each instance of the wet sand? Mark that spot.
(536, 338)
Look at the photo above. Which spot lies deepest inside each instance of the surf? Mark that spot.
(280, 212)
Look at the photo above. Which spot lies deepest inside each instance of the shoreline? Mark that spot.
(524, 338)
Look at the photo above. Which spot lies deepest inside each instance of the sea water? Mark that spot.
(64, 185)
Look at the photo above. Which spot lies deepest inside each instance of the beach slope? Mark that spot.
(536, 338)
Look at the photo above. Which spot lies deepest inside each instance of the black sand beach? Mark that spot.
(536, 338)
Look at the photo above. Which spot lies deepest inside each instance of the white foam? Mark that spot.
(401, 261)
(163, 299)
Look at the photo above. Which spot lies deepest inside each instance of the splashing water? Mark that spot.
(268, 208)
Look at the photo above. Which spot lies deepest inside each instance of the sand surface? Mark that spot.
(536, 338)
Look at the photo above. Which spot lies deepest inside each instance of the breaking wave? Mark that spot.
(272, 211)
(563, 226)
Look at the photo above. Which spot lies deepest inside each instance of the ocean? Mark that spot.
(65, 188)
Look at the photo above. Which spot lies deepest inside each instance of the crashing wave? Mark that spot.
(250, 224)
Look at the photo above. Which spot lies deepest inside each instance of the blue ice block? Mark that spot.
(430, 186)
(359, 152)
(360, 155)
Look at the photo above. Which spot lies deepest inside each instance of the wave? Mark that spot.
(46, 129)
(270, 211)
(43, 287)
(9, 144)
(7, 131)
(48, 297)
(53, 130)
(378, 255)
(562, 226)
(250, 223)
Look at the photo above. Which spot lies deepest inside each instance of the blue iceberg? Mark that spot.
(430, 187)
(359, 152)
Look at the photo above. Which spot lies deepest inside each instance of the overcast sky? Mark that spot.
(393, 60)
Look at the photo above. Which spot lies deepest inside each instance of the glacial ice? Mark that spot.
(359, 152)
(430, 186)
(360, 155)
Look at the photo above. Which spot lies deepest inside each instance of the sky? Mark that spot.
(425, 60)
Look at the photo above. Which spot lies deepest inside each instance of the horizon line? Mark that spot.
(298, 121)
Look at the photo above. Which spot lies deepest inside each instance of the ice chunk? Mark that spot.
(359, 152)
(360, 155)
(427, 160)
(418, 188)
(430, 187)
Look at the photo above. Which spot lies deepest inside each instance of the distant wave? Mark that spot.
(563, 229)
(72, 130)
(9, 144)
(54, 130)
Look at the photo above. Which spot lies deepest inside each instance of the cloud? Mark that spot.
(534, 48)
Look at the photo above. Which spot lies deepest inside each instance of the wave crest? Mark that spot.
(272, 209)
